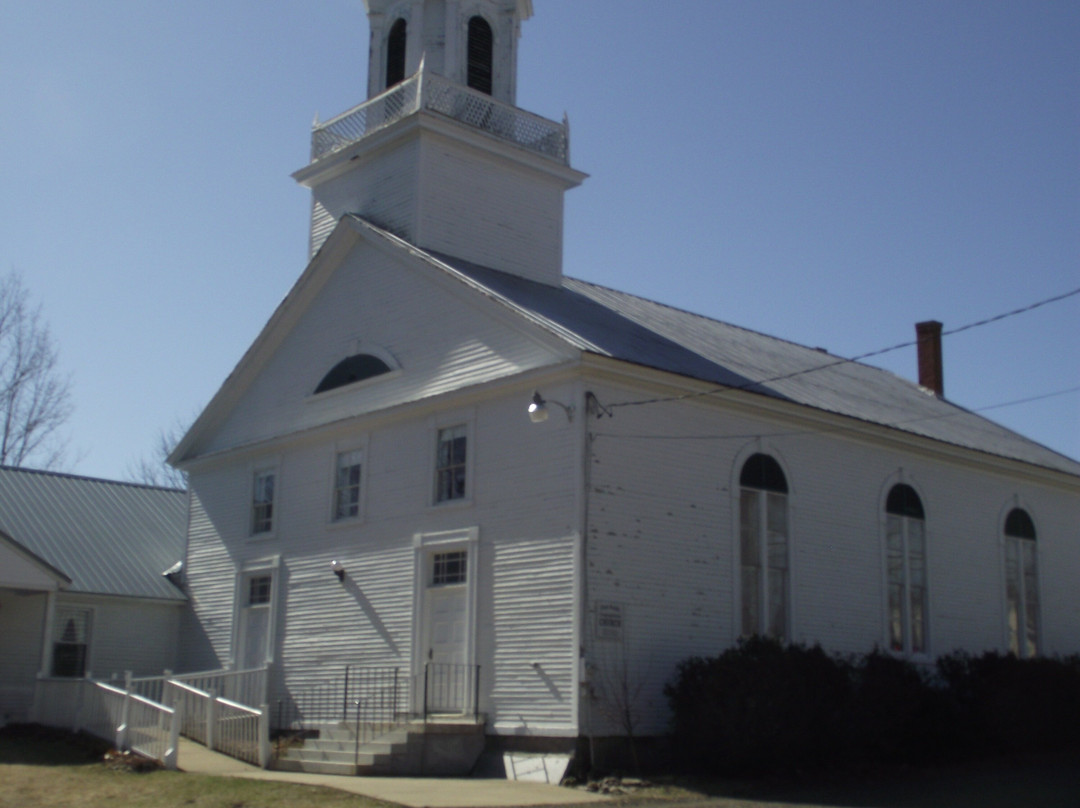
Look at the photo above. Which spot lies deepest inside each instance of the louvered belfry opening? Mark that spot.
(481, 50)
(395, 54)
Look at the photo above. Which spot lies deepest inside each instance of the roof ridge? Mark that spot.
(72, 476)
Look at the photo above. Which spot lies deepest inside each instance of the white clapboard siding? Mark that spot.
(379, 187)
(532, 673)
(217, 546)
(442, 341)
(520, 489)
(126, 635)
(478, 207)
(22, 620)
(663, 541)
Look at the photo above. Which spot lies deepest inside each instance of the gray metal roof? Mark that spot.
(110, 538)
(629, 328)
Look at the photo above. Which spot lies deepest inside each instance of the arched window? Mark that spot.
(1021, 584)
(905, 562)
(481, 53)
(763, 547)
(395, 54)
(355, 368)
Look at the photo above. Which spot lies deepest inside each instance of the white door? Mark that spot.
(445, 635)
(253, 641)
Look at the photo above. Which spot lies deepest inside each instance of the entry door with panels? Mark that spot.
(253, 641)
(445, 635)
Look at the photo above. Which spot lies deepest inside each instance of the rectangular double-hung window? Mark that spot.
(71, 641)
(347, 485)
(262, 503)
(450, 463)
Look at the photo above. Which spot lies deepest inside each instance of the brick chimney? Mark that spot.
(931, 368)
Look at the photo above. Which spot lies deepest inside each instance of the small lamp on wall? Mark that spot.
(538, 409)
(339, 569)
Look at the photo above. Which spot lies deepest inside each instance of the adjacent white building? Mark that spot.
(83, 589)
(440, 454)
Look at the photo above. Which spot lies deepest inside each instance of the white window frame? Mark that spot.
(61, 613)
(906, 650)
(244, 575)
(763, 549)
(465, 421)
(1013, 639)
(340, 450)
(255, 473)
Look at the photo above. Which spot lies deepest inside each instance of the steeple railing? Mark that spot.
(434, 93)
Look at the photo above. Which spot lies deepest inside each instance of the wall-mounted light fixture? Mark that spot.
(339, 569)
(538, 409)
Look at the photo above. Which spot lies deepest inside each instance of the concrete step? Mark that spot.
(315, 767)
(443, 748)
(307, 754)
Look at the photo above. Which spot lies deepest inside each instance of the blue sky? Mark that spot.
(828, 172)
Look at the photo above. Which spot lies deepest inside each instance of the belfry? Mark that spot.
(438, 154)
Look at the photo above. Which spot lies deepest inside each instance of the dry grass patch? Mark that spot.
(42, 768)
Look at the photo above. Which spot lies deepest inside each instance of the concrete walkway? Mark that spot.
(418, 792)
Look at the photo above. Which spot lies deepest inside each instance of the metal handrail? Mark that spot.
(450, 688)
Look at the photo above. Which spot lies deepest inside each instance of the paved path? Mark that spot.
(440, 792)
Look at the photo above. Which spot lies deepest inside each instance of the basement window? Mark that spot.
(352, 369)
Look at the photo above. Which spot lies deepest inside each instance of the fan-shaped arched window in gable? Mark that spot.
(481, 52)
(1021, 584)
(763, 547)
(352, 369)
(906, 578)
(395, 53)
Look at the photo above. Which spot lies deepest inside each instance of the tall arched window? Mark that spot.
(763, 547)
(1021, 584)
(481, 55)
(905, 561)
(395, 53)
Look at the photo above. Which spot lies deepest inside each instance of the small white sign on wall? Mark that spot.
(609, 621)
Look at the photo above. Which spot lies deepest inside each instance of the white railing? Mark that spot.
(435, 93)
(221, 724)
(193, 707)
(242, 732)
(113, 714)
(244, 686)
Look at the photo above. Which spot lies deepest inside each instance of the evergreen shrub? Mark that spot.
(763, 707)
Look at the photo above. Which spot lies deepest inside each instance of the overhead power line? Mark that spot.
(837, 428)
(843, 360)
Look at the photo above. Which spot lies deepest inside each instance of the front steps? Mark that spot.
(444, 748)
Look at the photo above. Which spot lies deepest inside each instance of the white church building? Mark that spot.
(530, 496)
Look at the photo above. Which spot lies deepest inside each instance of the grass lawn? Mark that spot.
(42, 769)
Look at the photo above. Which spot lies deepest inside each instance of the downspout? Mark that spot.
(584, 685)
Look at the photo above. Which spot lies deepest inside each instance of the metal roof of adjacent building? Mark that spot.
(632, 329)
(109, 538)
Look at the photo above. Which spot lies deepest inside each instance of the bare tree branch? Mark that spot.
(35, 401)
(152, 468)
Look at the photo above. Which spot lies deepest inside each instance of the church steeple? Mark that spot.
(439, 154)
(471, 42)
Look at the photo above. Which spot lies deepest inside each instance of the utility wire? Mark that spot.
(842, 360)
(797, 432)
